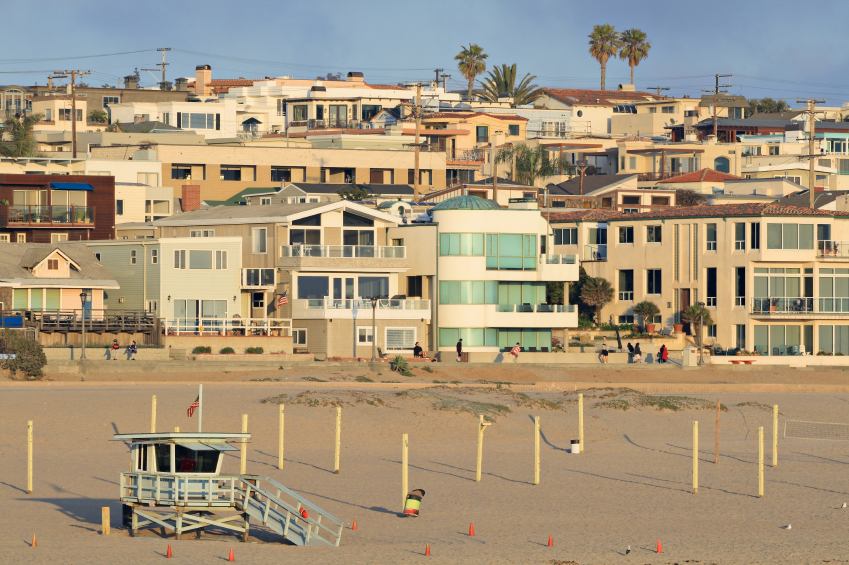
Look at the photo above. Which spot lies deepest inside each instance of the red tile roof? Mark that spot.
(704, 175)
(593, 215)
(467, 115)
(231, 82)
(718, 211)
(385, 86)
(586, 97)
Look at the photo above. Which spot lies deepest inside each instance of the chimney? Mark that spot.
(203, 76)
(165, 85)
(191, 197)
(355, 76)
(182, 84)
(131, 82)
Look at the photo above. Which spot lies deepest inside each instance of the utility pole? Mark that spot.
(716, 97)
(658, 88)
(581, 168)
(162, 64)
(444, 77)
(493, 167)
(437, 71)
(417, 144)
(74, 75)
(811, 112)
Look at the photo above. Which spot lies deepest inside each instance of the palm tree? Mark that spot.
(596, 292)
(532, 163)
(21, 141)
(604, 44)
(472, 62)
(646, 310)
(635, 47)
(503, 79)
(695, 315)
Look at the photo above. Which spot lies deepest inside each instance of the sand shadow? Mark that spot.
(802, 454)
(482, 473)
(82, 510)
(688, 454)
(686, 490)
(624, 480)
(378, 509)
(542, 435)
(434, 471)
(13, 487)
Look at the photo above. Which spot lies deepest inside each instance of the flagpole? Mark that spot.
(200, 407)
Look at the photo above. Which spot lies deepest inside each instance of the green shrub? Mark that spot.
(202, 349)
(254, 350)
(427, 369)
(400, 364)
(227, 351)
(29, 358)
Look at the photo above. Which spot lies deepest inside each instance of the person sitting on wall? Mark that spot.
(418, 351)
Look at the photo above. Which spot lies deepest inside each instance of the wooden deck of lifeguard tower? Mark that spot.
(183, 502)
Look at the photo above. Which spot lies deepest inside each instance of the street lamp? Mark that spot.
(83, 297)
(373, 329)
(701, 332)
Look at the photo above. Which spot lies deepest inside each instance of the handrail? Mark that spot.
(593, 252)
(558, 259)
(827, 248)
(360, 304)
(331, 251)
(535, 308)
(212, 325)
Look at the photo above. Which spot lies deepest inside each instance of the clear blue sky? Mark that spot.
(779, 48)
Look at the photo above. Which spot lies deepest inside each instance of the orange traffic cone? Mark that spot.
(168, 554)
(33, 541)
(427, 550)
(231, 555)
(550, 541)
(471, 529)
(659, 547)
(354, 527)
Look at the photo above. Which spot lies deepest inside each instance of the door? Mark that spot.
(338, 116)
(684, 295)
(376, 177)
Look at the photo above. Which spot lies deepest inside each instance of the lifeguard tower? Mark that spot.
(176, 483)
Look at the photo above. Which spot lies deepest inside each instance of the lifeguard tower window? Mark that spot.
(191, 461)
(141, 458)
(163, 457)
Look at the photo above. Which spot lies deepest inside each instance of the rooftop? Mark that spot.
(586, 97)
(592, 183)
(467, 203)
(16, 262)
(704, 175)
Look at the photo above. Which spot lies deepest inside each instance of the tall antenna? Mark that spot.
(658, 88)
(163, 64)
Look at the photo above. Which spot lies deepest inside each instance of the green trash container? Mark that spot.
(413, 503)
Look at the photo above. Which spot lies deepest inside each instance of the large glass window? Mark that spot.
(468, 292)
(482, 134)
(191, 461)
(626, 234)
(740, 237)
(790, 236)
(626, 284)
(200, 259)
(370, 110)
(259, 239)
(653, 234)
(304, 237)
(299, 113)
(313, 287)
(371, 287)
(511, 252)
(468, 244)
(163, 457)
(400, 338)
(653, 281)
(711, 237)
(231, 173)
(358, 237)
(566, 236)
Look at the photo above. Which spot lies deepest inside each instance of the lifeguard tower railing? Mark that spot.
(261, 498)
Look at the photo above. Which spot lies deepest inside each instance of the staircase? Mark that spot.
(278, 508)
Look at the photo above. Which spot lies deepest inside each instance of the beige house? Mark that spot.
(58, 115)
(593, 110)
(316, 267)
(771, 276)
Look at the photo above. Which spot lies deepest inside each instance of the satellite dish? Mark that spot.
(672, 121)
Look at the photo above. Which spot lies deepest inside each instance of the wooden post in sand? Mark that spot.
(280, 441)
(153, 415)
(404, 461)
(536, 450)
(481, 429)
(581, 422)
(104, 517)
(760, 462)
(775, 435)
(338, 438)
(244, 463)
(716, 439)
(29, 457)
(696, 457)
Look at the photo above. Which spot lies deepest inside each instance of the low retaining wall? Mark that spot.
(76, 339)
(102, 353)
(249, 358)
(588, 357)
(783, 360)
(270, 344)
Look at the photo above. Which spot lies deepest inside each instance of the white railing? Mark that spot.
(188, 490)
(558, 259)
(374, 251)
(535, 308)
(595, 253)
(832, 248)
(228, 326)
(361, 304)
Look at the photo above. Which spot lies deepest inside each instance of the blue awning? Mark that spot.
(71, 186)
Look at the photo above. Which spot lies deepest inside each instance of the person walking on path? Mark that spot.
(132, 349)
(638, 355)
(515, 352)
(630, 353)
(459, 349)
(664, 354)
(115, 349)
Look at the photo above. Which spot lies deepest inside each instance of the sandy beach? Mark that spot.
(631, 487)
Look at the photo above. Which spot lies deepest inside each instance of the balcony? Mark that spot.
(833, 249)
(595, 252)
(331, 123)
(47, 216)
(531, 316)
(558, 267)
(361, 309)
(800, 306)
(353, 251)
(652, 177)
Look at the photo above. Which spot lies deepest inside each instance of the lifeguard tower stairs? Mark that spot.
(189, 494)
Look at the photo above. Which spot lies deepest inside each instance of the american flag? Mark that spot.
(283, 299)
(195, 405)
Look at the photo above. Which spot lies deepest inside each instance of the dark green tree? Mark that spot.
(21, 354)
(689, 197)
(20, 137)
(503, 79)
(634, 48)
(471, 61)
(596, 292)
(356, 193)
(604, 44)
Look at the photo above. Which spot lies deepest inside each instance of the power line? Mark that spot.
(295, 65)
(47, 59)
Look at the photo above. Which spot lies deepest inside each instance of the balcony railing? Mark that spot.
(648, 177)
(332, 123)
(228, 326)
(558, 259)
(361, 304)
(834, 249)
(595, 252)
(627, 295)
(535, 308)
(371, 251)
(800, 305)
(49, 216)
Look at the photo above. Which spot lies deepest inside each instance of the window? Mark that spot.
(154, 256)
(64, 114)
(119, 207)
(467, 244)
(304, 237)
(312, 288)
(511, 252)
(414, 286)
(653, 234)
(739, 286)
(79, 115)
(364, 336)
(652, 110)
(53, 264)
(299, 337)
(57, 237)
(628, 319)
(566, 236)
(371, 287)
(4, 238)
(710, 299)
(200, 259)
(481, 292)
(660, 200)
(279, 174)
(299, 113)
(739, 237)
(21, 238)
(265, 201)
(319, 112)
(513, 129)
(150, 179)
(667, 109)
(110, 100)
(482, 134)
(198, 121)
(179, 258)
(400, 338)
(740, 336)
(626, 234)
(181, 172)
(710, 240)
(773, 149)
(258, 299)
(370, 111)
(132, 257)
(48, 117)
(755, 230)
(630, 200)
(258, 239)
(653, 285)
(632, 163)
(711, 330)
(790, 236)
(231, 173)
(260, 277)
(626, 285)
(220, 260)
(166, 118)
